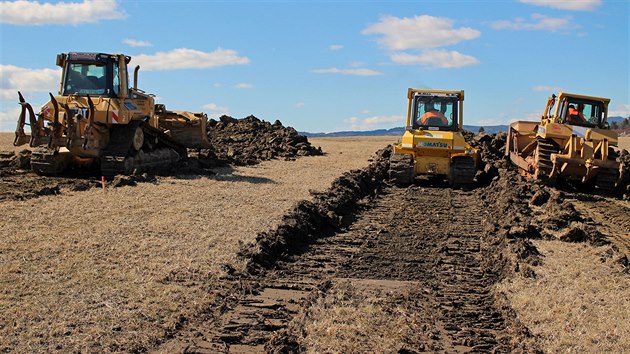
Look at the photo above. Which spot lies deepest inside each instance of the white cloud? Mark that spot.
(422, 35)
(354, 72)
(136, 43)
(8, 119)
(375, 122)
(27, 13)
(620, 110)
(576, 5)
(546, 88)
(14, 78)
(184, 58)
(335, 47)
(215, 109)
(243, 85)
(365, 111)
(299, 105)
(538, 22)
(420, 32)
(437, 58)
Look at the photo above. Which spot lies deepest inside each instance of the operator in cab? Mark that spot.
(432, 116)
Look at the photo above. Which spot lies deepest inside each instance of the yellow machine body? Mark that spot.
(572, 141)
(434, 148)
(97, 113)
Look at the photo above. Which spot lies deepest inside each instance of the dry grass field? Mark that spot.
(624, 143)
(107, 270)
(577, 303)
(125, 268)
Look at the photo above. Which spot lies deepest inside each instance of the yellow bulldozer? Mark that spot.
(98, 118)
(572, 141)
(433, 143)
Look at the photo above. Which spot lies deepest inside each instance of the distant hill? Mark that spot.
(490, 129)
(616, 119)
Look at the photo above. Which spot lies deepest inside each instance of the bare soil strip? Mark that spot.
(423, 245)
(612, 216)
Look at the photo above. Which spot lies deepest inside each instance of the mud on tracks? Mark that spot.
(416, 254)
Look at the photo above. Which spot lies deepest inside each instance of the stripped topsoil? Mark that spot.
(368, 267)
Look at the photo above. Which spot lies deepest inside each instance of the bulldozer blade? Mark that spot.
(186, 128)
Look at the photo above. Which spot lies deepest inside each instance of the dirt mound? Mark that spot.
(491, 154)
(250, 140)
(526, 210)
(624, 186)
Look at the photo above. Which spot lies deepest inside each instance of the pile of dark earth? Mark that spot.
(624, 156)
(250, 140)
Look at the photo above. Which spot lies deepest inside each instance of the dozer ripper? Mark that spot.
(572, 141)
(433, 143)
(98, 118)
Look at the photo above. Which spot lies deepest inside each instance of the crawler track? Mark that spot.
(116, 159)
(427, 240)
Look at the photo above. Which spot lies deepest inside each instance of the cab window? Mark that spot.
(434, 112)
(116, 80)
(582, 113)
(84, 79)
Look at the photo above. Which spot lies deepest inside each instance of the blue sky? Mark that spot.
(328, 65)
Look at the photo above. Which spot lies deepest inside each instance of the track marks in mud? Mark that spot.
(433, 236)
(415, 250)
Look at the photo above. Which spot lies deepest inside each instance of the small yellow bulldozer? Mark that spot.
(433, 144)
(98, 118)
(572, 141)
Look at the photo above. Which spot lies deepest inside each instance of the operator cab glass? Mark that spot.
(85, 79)
(435, 112)
(584, 113)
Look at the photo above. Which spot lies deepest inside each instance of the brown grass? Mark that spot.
(577, 303)
(6, 142)
(624, 143)
(357, 319)
(116, 270)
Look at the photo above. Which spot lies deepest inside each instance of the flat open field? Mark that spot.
(228, 262)
(93, 268)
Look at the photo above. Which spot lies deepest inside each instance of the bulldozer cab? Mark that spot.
(433, 111)
(579, 110)
(93, 74)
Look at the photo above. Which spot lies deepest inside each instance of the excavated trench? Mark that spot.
(432, 254)
(434, 251)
